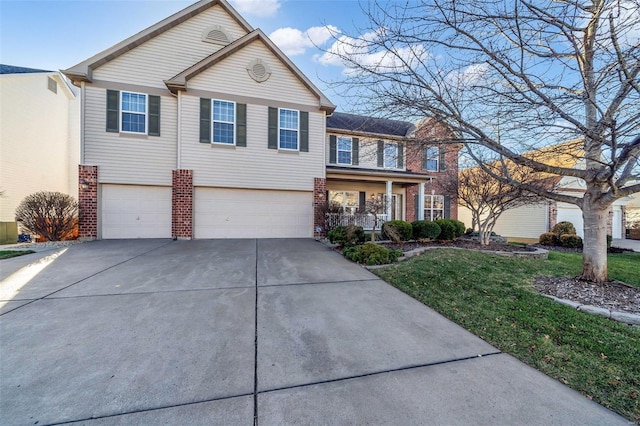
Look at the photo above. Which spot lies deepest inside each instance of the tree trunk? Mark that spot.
(594, 252)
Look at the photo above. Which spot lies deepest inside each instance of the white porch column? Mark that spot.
(420, 212)
(388, 199)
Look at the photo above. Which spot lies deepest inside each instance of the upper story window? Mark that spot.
(288, 129)
(431, 159)
(224, 122)
(133, 108)
(130, 112)
(344, 146)
(390, 155)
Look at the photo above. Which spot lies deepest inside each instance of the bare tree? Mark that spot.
(49, 214)
(488, 198)
(375, 206)
(548, 71)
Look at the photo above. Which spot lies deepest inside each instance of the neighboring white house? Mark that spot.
(532, 220)
(39, 135)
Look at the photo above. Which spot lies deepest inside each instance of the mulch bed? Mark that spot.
(459, 243)
(611, 295)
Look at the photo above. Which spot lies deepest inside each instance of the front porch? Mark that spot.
(364, 220)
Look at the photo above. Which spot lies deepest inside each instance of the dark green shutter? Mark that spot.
(241, 124)
(362, 202)
(416, 203)
(400, 155)
(380, 154)
(154, 115)
(304, 131)
(447, 207)
(355, 151)
(113, 111)
(442, 164)
(273, 128)
(332, 149)
(205, 120)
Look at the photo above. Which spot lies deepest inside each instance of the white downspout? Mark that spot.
(179, 141)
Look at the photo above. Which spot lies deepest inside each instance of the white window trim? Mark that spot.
(437, 159)
(287, 128)
(338, 150)
(429, 204)
(146, 112)
(395, 155)
(213, 121)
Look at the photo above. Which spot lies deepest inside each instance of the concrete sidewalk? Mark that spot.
(225, 331)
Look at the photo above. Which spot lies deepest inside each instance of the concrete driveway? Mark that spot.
(223, 331)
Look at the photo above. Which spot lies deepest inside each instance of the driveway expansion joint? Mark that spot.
(377, 373)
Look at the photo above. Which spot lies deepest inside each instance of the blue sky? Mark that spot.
(58, 34)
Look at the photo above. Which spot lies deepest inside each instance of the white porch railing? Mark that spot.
(356, 219)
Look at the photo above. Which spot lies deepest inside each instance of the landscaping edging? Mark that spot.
(624, 317)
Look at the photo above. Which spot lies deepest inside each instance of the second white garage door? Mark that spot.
(243, 213)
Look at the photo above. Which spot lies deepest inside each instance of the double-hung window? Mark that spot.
(433, 207)
(431, 159)
(390, 155)
(288, 129)
(224, 122)
(130, 112)
(344, 146)
(133, 110)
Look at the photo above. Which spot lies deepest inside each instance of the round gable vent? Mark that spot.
(258, 70)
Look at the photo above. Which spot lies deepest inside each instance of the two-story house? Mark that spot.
(200, 127)
(380, 158)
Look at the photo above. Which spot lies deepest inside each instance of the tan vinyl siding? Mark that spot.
(368, 155)
(521, 222)
(169, 53)
(142, 160)
(253, 166)
(231, 76)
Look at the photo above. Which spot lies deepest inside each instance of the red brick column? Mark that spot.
(319, 201)
(412, 192)
(182, 204)
(87, 202)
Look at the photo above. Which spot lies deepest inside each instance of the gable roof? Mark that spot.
(83, 70)
(361, 124)
(12, 69)
(180, 81)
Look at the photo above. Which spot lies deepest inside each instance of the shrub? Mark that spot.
(564, 228)
(570, 240)
(609, 241)
(548, 239)
(346, 236)
(450, 229)
(371, 254)
(425, 229)
(397, 230)
(52, 215)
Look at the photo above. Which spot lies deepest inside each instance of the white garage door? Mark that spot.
(243, 213)
(573, 214)
(130, 211)
(523, 222)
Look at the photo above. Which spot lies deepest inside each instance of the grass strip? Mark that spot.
(493, 297)
(7, 254)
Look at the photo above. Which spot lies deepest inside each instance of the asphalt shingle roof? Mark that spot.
(359, 123)
(11, 69)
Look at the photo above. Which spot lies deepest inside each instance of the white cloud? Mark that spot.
(348, 51)
(294, 42)
(469, 76)
(257, 7)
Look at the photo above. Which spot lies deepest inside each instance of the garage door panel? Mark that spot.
(235, 213)
(573, 214)
(130, 211)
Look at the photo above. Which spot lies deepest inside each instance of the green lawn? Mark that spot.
(492, 297)
(6, 254)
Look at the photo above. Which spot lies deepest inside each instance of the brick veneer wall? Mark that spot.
(182, 204)
(319, 201)
(87, 202)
